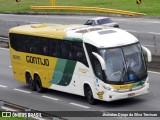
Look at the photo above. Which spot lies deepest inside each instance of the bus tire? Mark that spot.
(30, 81)
(89, 95)
(38, 84)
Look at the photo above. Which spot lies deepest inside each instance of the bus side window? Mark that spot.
(17, 42)
(78, 53)
(13, 41)
(42, 44)
(98, 69)
(53, 48)
(32, 44)
(45, 50)
(33, 50)
(21, 43)
(67, 50)
(27, 45)
(95, 62)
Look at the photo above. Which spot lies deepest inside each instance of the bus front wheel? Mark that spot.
(89, 96)
(38, 84)
(31, 82)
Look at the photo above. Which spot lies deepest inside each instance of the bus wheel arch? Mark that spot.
(89, 94)
(38, 83)
(27, 76)
(30, 81)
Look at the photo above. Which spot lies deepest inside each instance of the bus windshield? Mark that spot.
(124, 64)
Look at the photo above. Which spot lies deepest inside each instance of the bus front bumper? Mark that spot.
(114, 95)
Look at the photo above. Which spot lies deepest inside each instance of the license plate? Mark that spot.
(131, 94)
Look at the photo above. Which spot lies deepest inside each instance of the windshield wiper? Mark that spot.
(123, 73)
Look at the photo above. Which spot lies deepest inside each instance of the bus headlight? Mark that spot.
(109, 88)
(113, 90)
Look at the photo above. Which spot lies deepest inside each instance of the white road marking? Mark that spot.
(10, 66)
(24, 91)
(154, 72)
(149, 46)
(34, 22)
(3, 86)
(50, 97)
(79, 105)
(154, 33)
(131, 31)
(4, 48)
(139, 32)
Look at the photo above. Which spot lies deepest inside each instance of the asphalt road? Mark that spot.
(17, 93)
(133, 24)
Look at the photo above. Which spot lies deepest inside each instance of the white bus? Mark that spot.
(96, 62)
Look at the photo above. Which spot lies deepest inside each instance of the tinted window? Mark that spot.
(54, 48)
(95, 62)
(89, 22)
(78, 53)
(67, 49)
(32, 44)
(104, 21)
(48, 47)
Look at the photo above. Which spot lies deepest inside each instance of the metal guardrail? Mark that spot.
(93, 9)
(3, 39)
(7, 106)
(4, 42)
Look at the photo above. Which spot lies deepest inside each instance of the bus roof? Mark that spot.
(99, 36)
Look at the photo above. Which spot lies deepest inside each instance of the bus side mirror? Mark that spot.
(101, 60)
(149, 54)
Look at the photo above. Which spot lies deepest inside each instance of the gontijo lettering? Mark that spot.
(37, 60)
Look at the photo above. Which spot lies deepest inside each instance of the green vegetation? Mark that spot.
(149, 7)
